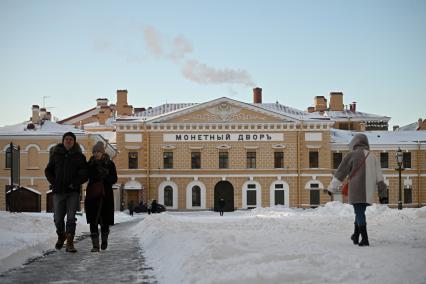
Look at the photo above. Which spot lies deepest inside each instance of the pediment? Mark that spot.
(224, 111)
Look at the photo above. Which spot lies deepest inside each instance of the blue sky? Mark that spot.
(193, 51)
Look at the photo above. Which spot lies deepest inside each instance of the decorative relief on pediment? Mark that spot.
(224, 112)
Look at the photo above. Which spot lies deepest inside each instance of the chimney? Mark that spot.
(42, 113)
(336, 101)
(257, 95)
(320, 103)
(122, 107)
(102, 102)
(311, 109)
(352, 107)
(35, 118)
(395, 127)
(421, 124)
(121, 98)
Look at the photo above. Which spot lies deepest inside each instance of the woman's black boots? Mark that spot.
(364, 241)
(355, 235)
(95, 242)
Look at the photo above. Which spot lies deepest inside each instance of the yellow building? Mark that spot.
(186, 156)
(35, 139)
(256, 154)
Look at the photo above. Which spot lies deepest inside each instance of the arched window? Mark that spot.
(196, 196)
(168, 196)
(8, 157)
(32, 158)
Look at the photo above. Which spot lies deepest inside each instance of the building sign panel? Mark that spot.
(132, 137)
(313, 136)
(219, 137)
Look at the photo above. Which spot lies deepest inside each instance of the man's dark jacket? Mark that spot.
(66, 170)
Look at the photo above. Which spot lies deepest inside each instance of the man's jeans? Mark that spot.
(65, 204)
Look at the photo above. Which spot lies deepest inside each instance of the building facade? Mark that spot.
(186, 156)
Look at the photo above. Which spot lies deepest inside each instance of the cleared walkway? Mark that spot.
(122, 262)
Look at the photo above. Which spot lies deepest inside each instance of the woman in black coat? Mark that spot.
(99, 202)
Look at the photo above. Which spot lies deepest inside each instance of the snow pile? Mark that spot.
(282, 245)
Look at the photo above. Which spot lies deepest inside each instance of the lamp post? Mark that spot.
(399, 158)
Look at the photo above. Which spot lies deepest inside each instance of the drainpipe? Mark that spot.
(148, 166)
(418, 173)
(298, 165)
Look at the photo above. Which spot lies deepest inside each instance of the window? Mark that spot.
(279, 197)
(196, 196)
(278, 160)
(168, 160)
(223, 160)
(406, 160)
(251, 198)
(133, 160)
(32, 157)
(314, 194)
(337, 159)
(195, 160)
(251, 160)
(8, 157)
(384, 160)
(168, 196)
(408, 194)
(313, 159)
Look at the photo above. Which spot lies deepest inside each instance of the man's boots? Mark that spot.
(104, 244)
(364, 240)
(95, 242)
(61, 239)
(70, 243)
(355, 235)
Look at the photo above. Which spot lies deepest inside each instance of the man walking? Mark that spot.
(66, 172)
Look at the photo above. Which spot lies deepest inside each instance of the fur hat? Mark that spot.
(70, 134)
(98, 147)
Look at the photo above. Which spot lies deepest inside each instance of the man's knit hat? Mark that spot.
(70, 134)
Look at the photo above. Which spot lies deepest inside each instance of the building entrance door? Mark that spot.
(225, 190)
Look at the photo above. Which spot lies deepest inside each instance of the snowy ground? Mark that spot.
(269, 245)
(27, 235)
(279, 245)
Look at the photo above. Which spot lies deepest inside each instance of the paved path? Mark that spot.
(122, 262)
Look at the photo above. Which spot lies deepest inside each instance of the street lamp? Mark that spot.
(399, 158)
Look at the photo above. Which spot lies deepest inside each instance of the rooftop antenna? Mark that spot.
(44, 102)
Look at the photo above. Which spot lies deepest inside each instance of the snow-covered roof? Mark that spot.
(409, 127)
(46, 128)
(163, 109)
(110, 136)
(291, 112)
(354, 116)
(343, 137)
(96, 124)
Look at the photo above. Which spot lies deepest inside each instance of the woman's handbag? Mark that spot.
(345, 187)
(95, 190)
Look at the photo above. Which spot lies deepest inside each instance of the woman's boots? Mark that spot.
(95, 242)
(355, 235)
(104, 244)
(364, 241)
